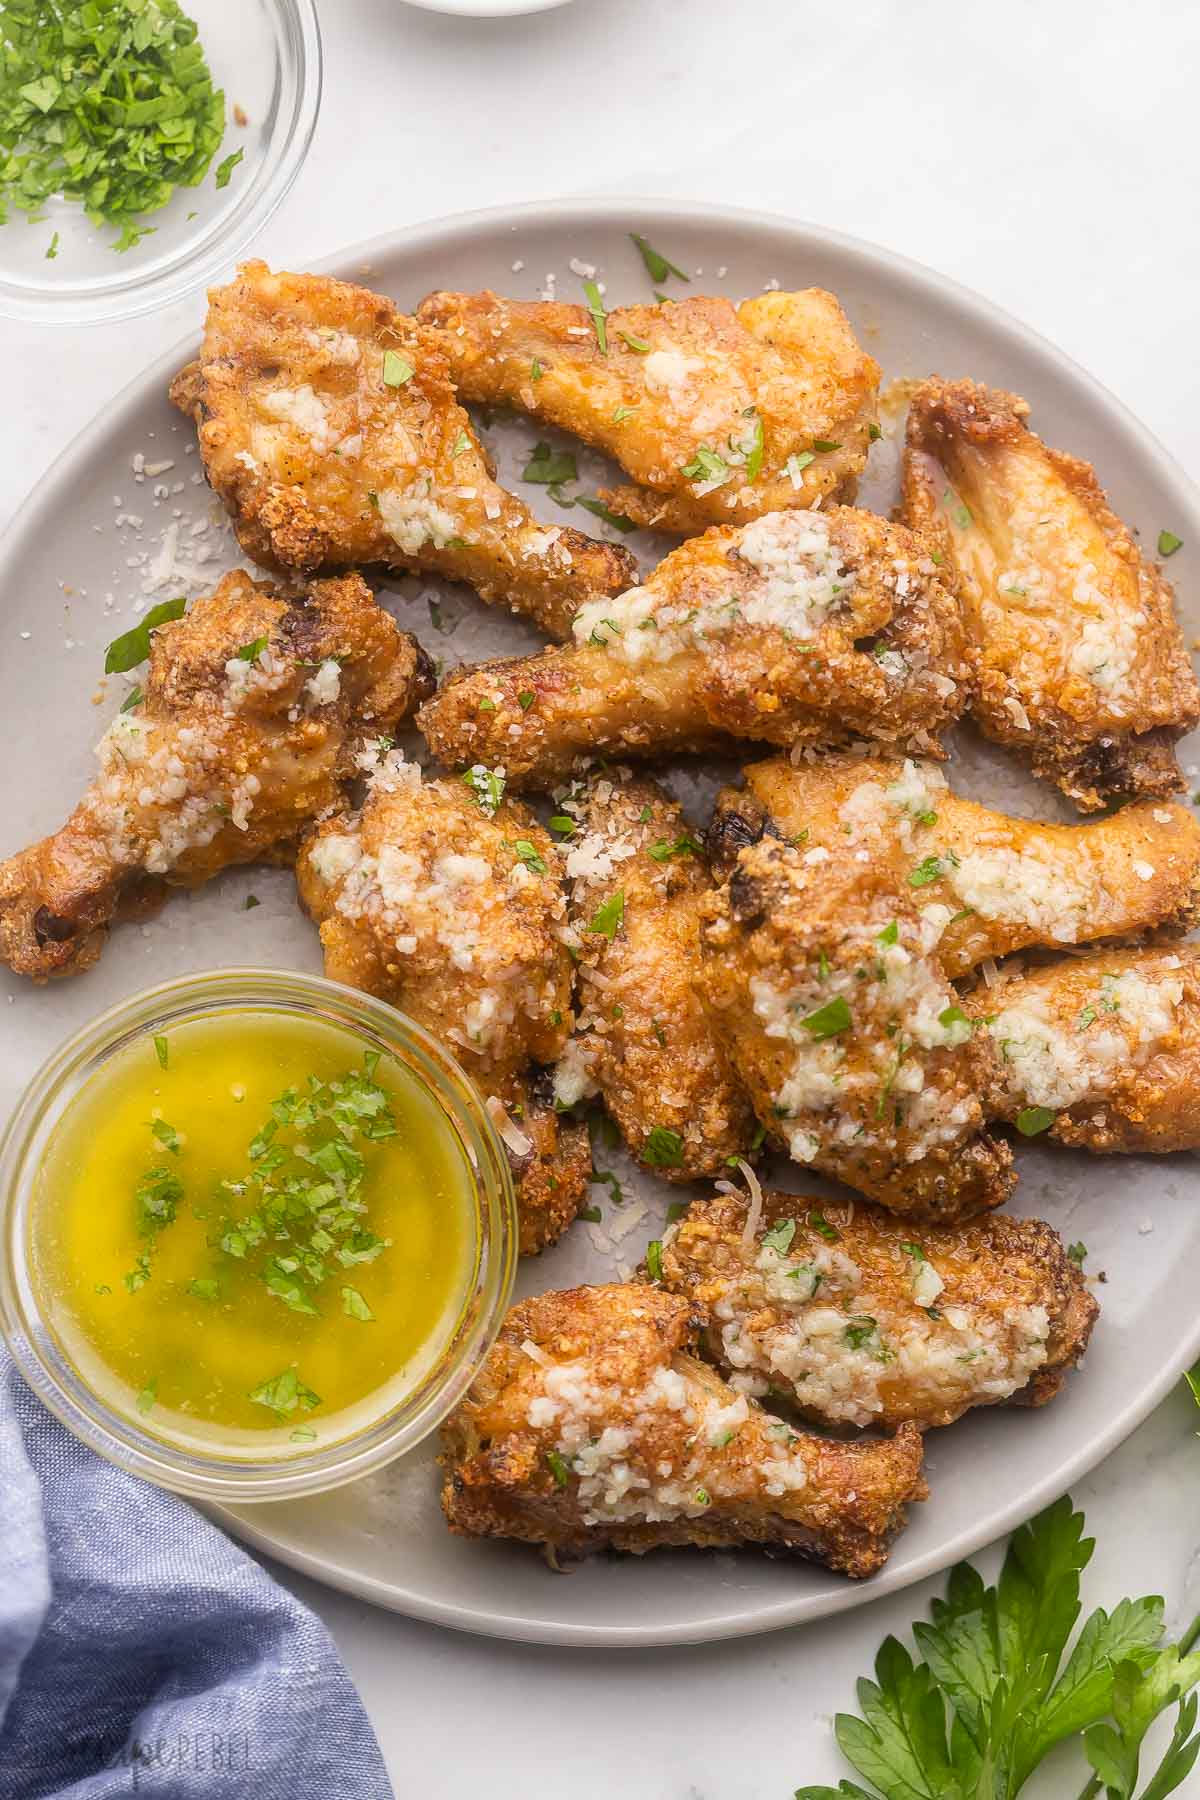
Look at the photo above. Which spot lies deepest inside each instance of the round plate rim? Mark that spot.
(581, 214)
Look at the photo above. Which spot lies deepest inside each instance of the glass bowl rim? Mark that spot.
(211, 252)
(91, 1418)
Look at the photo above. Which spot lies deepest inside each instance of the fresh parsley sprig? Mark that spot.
(989, 1696)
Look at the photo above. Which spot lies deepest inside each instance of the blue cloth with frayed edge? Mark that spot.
(141, 1652)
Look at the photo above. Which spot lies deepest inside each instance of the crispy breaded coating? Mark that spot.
(592, 1426)
(1100, 1051)
(1084, 671)
(254, 704)
(642, 1038)
(717, 413)
(860, 1318)
(840, 1022)
(447, 901)
(800, 628)
(329, 426)
(985, 883)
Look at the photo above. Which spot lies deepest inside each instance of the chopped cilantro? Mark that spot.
(133, 646)
(657, 265)
(606, 920)
(663, 1148)
(547, 465)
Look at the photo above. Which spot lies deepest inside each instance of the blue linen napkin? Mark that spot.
(141, 1652)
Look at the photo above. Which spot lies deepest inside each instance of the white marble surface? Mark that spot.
(1041, 154)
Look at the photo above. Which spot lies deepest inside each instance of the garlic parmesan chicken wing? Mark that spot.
(861, 1319)
(1084, 670)
(254, 705)
(446, 900)
(985, 883)
(592, 1426)
(857, 1057)
(330, 429)
(800, 628)
(642, 1039)
(1101, 1051)
(717, 413)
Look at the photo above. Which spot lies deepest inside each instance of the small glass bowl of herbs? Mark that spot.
(143, 145)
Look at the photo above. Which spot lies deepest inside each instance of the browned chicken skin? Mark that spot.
(446, 900)
(1084, 670)
(800, 628)
(329, 427)
(227, 758)
(859, 1318)
(986, 883)
(1101, 1051)
(592, 1426)
(718, 413)
(847, 1035)
(642, 1039)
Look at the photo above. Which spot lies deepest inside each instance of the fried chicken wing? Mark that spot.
(800, 628)
(330, 429)
(840, 1022)
(255, 703)
(592, 1426)
(642, 1038)
(447, 901)
(1100, 1051)
(985, 883)
(718, 413)
(1084, 670)
(859, 1318)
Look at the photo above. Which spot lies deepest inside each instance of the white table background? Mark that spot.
(1042, 153)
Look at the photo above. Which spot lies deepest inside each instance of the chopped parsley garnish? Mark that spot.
(889, 934)
(110, 106)
(52, 248)
(621, 413)
(606, 920)
(563, 823)
(167, 1135)
(954, 1015)
(462, 442)
(780, 1236)
(161, 1051)
(706, 465)
(863, 1334)
(354, 1306)
(1168, 543)
(931, 868)
(754, 455)
(303, 1434)
(959, 512)
(148, 1396)
(204, 1288)
(609, 1180)
(820, 1224)
(529, 855)
(682, 846)
(1033, 1120)
(133, 646)
(558, 1468)
(396, 369)
(825, 446)
(654, 1266)
(663, 1148)
(676, 1211)
(1086, 1016)
(796, 465)
(226, 167)
(828, 1020)
(525, 699)
(548, 466)
(595, 306)
(250, 653)
(487, 785)
(1077, 1254)
(597, 508)
(250, 902)
(536, 371)
(283, 1393)
(657, 265)
(873, 434)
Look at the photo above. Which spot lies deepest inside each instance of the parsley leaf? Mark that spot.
(682, 846)
(1033, 1120)
(597, 315)
(1168, 543)
(828, 1020)
(657, 266)
(487, 785)
(663, 1148)
(606, 920)
(654, 1266)
(598, 509)
(780, 1236)
(226, 167)
(527, 854)
(133, 646)
(547, 465)
(706, 465)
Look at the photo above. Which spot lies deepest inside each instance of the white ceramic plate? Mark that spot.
(72, 570)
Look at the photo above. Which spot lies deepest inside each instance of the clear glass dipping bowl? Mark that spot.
(285, 1471)
(266, 55)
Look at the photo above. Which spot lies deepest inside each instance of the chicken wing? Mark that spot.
(592, 1426)
(330, 429)
(801, 628)
(1100, 1051)
(718, 413)
(857, 1057)
(255, 704)
(985, 883)
(446, 900)
(858, 1320)
(1084, 671)
(642, 1038)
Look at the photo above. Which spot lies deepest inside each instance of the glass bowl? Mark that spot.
(266, 55)
(279, 1472)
